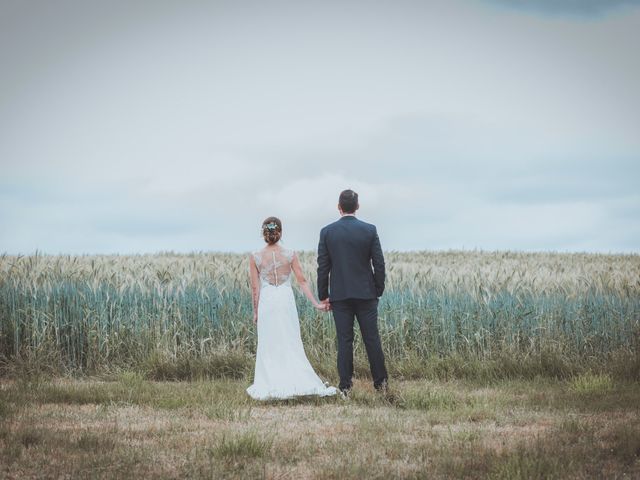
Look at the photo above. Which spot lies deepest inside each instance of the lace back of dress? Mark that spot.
(274, 266)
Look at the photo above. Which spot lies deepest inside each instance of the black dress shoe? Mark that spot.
(383, 387)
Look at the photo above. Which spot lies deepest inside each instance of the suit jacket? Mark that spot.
(350, 261)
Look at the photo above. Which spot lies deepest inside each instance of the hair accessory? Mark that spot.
(271, 226)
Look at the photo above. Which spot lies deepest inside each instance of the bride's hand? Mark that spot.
(320, 306)
(326, 305)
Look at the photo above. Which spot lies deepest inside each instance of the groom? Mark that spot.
(347, 283)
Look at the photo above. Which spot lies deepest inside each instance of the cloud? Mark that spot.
(426, 181)
(577, 8)
(183, 127)
(433, 182)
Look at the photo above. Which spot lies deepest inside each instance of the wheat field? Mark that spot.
(502, 365)
(442, 313)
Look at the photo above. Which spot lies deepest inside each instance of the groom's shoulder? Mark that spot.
(368, 226)
(329, 226)
(356, 221)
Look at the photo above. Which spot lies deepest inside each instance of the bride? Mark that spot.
(282, 369)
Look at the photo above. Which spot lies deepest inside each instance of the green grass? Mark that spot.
(590, 383)
(241, 446)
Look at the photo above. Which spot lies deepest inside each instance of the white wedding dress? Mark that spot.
(282, 369)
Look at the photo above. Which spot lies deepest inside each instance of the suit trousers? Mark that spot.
(366, 312)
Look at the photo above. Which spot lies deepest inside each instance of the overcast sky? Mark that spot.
(132, 127)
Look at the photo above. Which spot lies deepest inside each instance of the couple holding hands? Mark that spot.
(351, 274)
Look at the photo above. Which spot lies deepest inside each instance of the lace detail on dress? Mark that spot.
(274, 265)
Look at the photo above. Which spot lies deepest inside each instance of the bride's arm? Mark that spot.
(255, 286)
(304, 286)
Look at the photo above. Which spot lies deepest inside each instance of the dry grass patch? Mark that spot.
(452, 429)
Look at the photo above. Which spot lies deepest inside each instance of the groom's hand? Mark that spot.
(327, 304)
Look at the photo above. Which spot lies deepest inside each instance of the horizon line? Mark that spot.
(306, 251)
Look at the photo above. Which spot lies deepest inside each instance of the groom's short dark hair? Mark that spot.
(348, 201)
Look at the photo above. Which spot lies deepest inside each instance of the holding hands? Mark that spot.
(323, 306)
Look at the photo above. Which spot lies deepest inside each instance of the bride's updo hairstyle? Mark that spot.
(272, 230)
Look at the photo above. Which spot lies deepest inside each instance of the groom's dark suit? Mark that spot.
(347, 251)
